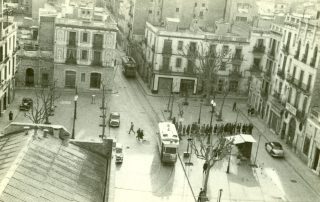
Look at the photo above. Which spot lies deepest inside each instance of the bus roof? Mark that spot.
(127, 59)
(168, 132)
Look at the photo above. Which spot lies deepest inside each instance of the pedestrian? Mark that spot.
(244, 128)
(252, 111)
(180, 128)
(215, 129)
(234, 108)
(203, 129)
(184, 130)
(201, 195)
(207, 129)
(249, 111)
(10, 116)
(205, 167)
(141, 134)
(138, 134)
(188, 129)
(131, 129)
(174, 120)
(250, 128)
(210, 130)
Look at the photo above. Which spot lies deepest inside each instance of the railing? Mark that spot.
(235, 74)
(304, 59)
(237, 58)
(281, 73)
(96, 63)
(301, 115)
(71, 61)
(264, 94)
(72, 44)
(259, 49)
(267, 74)
(166, 50)
(313, 62)
(271, 54)
(276, 95)
(285, 49)
(97, 46)
(256, 70)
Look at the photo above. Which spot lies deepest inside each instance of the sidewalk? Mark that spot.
(300, 167)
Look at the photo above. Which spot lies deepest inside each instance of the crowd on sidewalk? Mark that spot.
(206, 129)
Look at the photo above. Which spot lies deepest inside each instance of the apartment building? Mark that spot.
(168, 52)
(8, 47)
(84, 51)
(241, 11)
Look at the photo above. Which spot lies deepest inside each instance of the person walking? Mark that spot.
(215, 129)
(201, 195)
(184, 130)
(234, 108)
(188, 129)
(138, 134)
(10, 116)
(131, 129)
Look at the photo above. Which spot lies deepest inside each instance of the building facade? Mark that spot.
(84, 52)
(168, 52)
(8, 48)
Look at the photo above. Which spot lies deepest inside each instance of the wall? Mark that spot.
(46, 33)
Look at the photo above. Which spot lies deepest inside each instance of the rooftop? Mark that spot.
(47, 168)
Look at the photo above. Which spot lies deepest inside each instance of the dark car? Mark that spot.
(274, 149)
(114, 119)
(26, 104)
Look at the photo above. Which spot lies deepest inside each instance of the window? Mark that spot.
(203, 4)
(225, 49)
(85, 37)
(70, 79)
(306, 145)
(233, 86)
(72, 38)
(178, 62)
(180, 45)
(223, 66)
(201, 14)
(195, 4)
(177, 10)
(83, 77)
(150, 11)
(158, 13)
(84, 54)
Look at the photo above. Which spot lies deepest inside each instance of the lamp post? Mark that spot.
(199, 119)
(228, 168)
(213, 105)
(74, 115)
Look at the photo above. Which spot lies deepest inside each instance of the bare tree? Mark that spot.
(206, 61)
(210, 153)
(225, 93)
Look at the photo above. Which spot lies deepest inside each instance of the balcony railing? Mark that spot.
(256, 70)
(97, 46)
(271, 54)
(301, 115)
(313, 62)
(304, 59)
(285, 49)
(72, 44)
(264, 94)
(267, 74)
(165, 69)
(237, 58)
(276, 95)
(96, 63)
(259, 49)
(165, 50)
(281, 74)
(71, 61)
(235, 74)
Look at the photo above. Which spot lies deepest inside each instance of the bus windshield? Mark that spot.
(171, 150)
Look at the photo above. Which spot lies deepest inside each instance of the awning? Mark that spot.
(241, 138)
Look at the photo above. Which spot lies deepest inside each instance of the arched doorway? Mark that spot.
(29, 77)
(291, 131)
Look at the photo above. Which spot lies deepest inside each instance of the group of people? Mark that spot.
(206, 129)
(139, 135)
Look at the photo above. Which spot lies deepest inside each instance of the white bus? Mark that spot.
(168, 142)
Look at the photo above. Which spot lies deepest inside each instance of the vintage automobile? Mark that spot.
(119, 153)
(114, 119)
(274, 149)
(26, 104)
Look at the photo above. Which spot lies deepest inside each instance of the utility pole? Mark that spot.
(104, 111)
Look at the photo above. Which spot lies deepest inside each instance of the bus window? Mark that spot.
(171, 150)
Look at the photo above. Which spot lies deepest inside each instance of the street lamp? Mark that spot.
(228, 168)
(213, 105)
(200, 111)
(74, 115)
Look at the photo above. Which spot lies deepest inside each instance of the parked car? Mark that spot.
(114, 119)
(274, 149)
(119, 153)
(26, 104)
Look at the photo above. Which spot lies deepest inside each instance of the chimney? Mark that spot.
(172, 24)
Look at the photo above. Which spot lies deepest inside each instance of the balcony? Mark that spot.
(256, 70)
(166, 50)
(276, 95)
(72, 44)
(97, 46)
(71, 61)
(235, 74)
(271, 54)
(313, 62)
(259, 49)
(281, 74)
(304, 59)
(237, 59)
(96, 63)
(276, 100)
(301, 115)
(285, 49)
(267, 75)
(165, 69)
